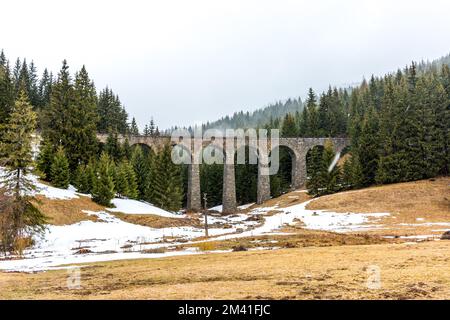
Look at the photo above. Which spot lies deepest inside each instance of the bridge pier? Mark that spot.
(299, 169)
(263, 187)
(229, 189)
(194, 193)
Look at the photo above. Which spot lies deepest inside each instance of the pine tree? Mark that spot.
(443, 118)
(113, 147)
(315, 166)
(367, 147)
(6, 95)
(133, 192)
(146, 131)
(141, 166)
(59, 171)
(346, 178)
(81, 144)
(312, 124)
(151, 128)
(289, 128)
(167, 182)
(91, 177)
(126, 149)
(111, 114)
(44, 160)
(20, 217)
(16, 75)
(357, 176)
(82, 180)
(211, 182)
(57, 123)
(134, 130)
(45, 89)
(329, 174)
(121, 180)
(3, 60)
(104, 190)
(32, 85)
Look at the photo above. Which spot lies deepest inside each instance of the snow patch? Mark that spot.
(129, 206)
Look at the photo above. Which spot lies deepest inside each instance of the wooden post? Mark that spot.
(206, 215)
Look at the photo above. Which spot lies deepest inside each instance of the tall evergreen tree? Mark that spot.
(289, 128)
(167, 182)
(134, 130)
(59, 171)
(141, 166)
(57, 123)
(82, 140)
(111, 114)
(20, 217)
(104, 189)
(6, 95)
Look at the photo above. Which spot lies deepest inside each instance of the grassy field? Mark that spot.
(406, 271)
(416, 208)
(309, 265)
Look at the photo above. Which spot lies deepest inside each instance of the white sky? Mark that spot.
(189, 61)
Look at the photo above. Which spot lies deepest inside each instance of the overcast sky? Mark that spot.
(185, 62)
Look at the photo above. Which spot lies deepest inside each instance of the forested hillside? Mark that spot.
(398, 125)
(68, 112)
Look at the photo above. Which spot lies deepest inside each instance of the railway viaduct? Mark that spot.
(298, 148)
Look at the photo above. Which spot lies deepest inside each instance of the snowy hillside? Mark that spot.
(110, 238)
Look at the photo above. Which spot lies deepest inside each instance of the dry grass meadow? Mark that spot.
(407, 271)
(306, 264)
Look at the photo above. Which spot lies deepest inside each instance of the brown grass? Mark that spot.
(407, 202)
(154, 221)
(418, 271)
(63, 212)
(296, 238)
(285, 200)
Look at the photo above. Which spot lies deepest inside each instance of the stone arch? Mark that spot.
(144, 147)
(287, 163)
(246, 157)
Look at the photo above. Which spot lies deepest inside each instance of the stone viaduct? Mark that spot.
(298, 149)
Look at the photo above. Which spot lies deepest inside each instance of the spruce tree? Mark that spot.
(310, 116)
(141, 166)
(133, 192)
(315, 166)
(121, 180)
(82, 180)
(113, 147)
(82, 141)
(368, 145)
(330, 174)
(111, 114)
(104, 190)
(59, 171)
(134, 130)
(20, 218)
(167, 182)
(57, 123)
(289, 128)
(6, 96)
(44, 160)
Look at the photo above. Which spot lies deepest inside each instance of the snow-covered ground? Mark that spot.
(110, 238)
(129, 206)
